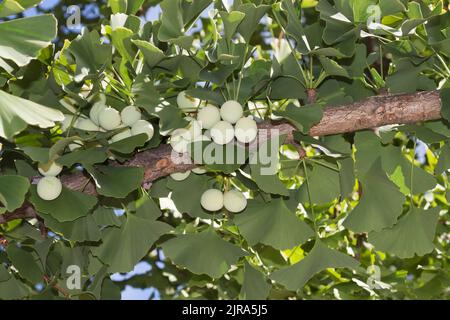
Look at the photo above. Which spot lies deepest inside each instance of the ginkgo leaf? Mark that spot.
(13, 190)
(123, 247)
(22, 39)
(69, 206)
(380, 205)
(203, 253)
(413, 234)
(320, 258)
(272, 224)
(17, 113)
(106, 180)
(255, 285)
(11, 7)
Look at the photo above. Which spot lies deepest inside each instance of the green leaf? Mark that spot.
(26, 262)
(85, 157)
(22, 39)
(69, 206)
(444, 159)
(231, 21)
(90, 53)
(128, 145)
(253, 14)
(13, 190)
(203, 253)
(125, 6)
(320, 258)
(106, 180)
(80, 230)
(303, 117)
(123, 247)
(272, 224)
(380, 205)
(255, 285)
(172, 24)
(105, 217)
(324, 184)
(413, 234)
(13, 289)
(152, 54)
(332, 68)
(17, 113)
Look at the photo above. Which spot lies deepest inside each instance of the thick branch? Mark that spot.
(370, 113)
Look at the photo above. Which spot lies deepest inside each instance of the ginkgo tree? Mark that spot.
(243, 149)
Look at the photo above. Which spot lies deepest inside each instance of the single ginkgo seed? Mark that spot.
(222, 133)
(231, 111)
(142, 126)
(234, 201)
(187, 103)
(180, 176)
(49, 188)
(109, 119)
(130, 115)
(208, 116)
(95, 111)
(212, 200)
(121, 136)
(246, 130)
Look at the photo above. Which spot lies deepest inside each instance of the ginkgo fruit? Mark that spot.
(195, 129)
(122, 135)
(208, 116)
(212, 200)
(86, 125)
(234, 201)
(187, 103)
(180, 176)
(231, 111)
(142, 126)
(180, 139)
(49, 188)
(246, 130)
(130, 115)
(222, 133)
(199, 170)
(109, 119)
(95, 111)
(50, 171)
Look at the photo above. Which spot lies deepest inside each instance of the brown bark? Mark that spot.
(371, 113)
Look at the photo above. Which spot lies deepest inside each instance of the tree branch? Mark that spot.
(370, 113)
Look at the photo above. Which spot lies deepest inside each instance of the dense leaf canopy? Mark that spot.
(354, 215)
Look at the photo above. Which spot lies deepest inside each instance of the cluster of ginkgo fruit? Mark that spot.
(221, 126)
(101, 118)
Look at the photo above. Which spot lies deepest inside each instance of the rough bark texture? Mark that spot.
(371, 113)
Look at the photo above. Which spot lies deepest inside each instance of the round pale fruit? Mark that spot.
(208, 116)
(142, 126)
(199, 170)
(246, 130)
(109, 119)
(231, 111)
(180, 176)
(212, 200)
(180, 139)
(122, 135)
(86, 125)
(222, 133)
(234, 201)
(187, 103)
(51, 171)
(95, 111)
(49, 188)
(130, 115)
